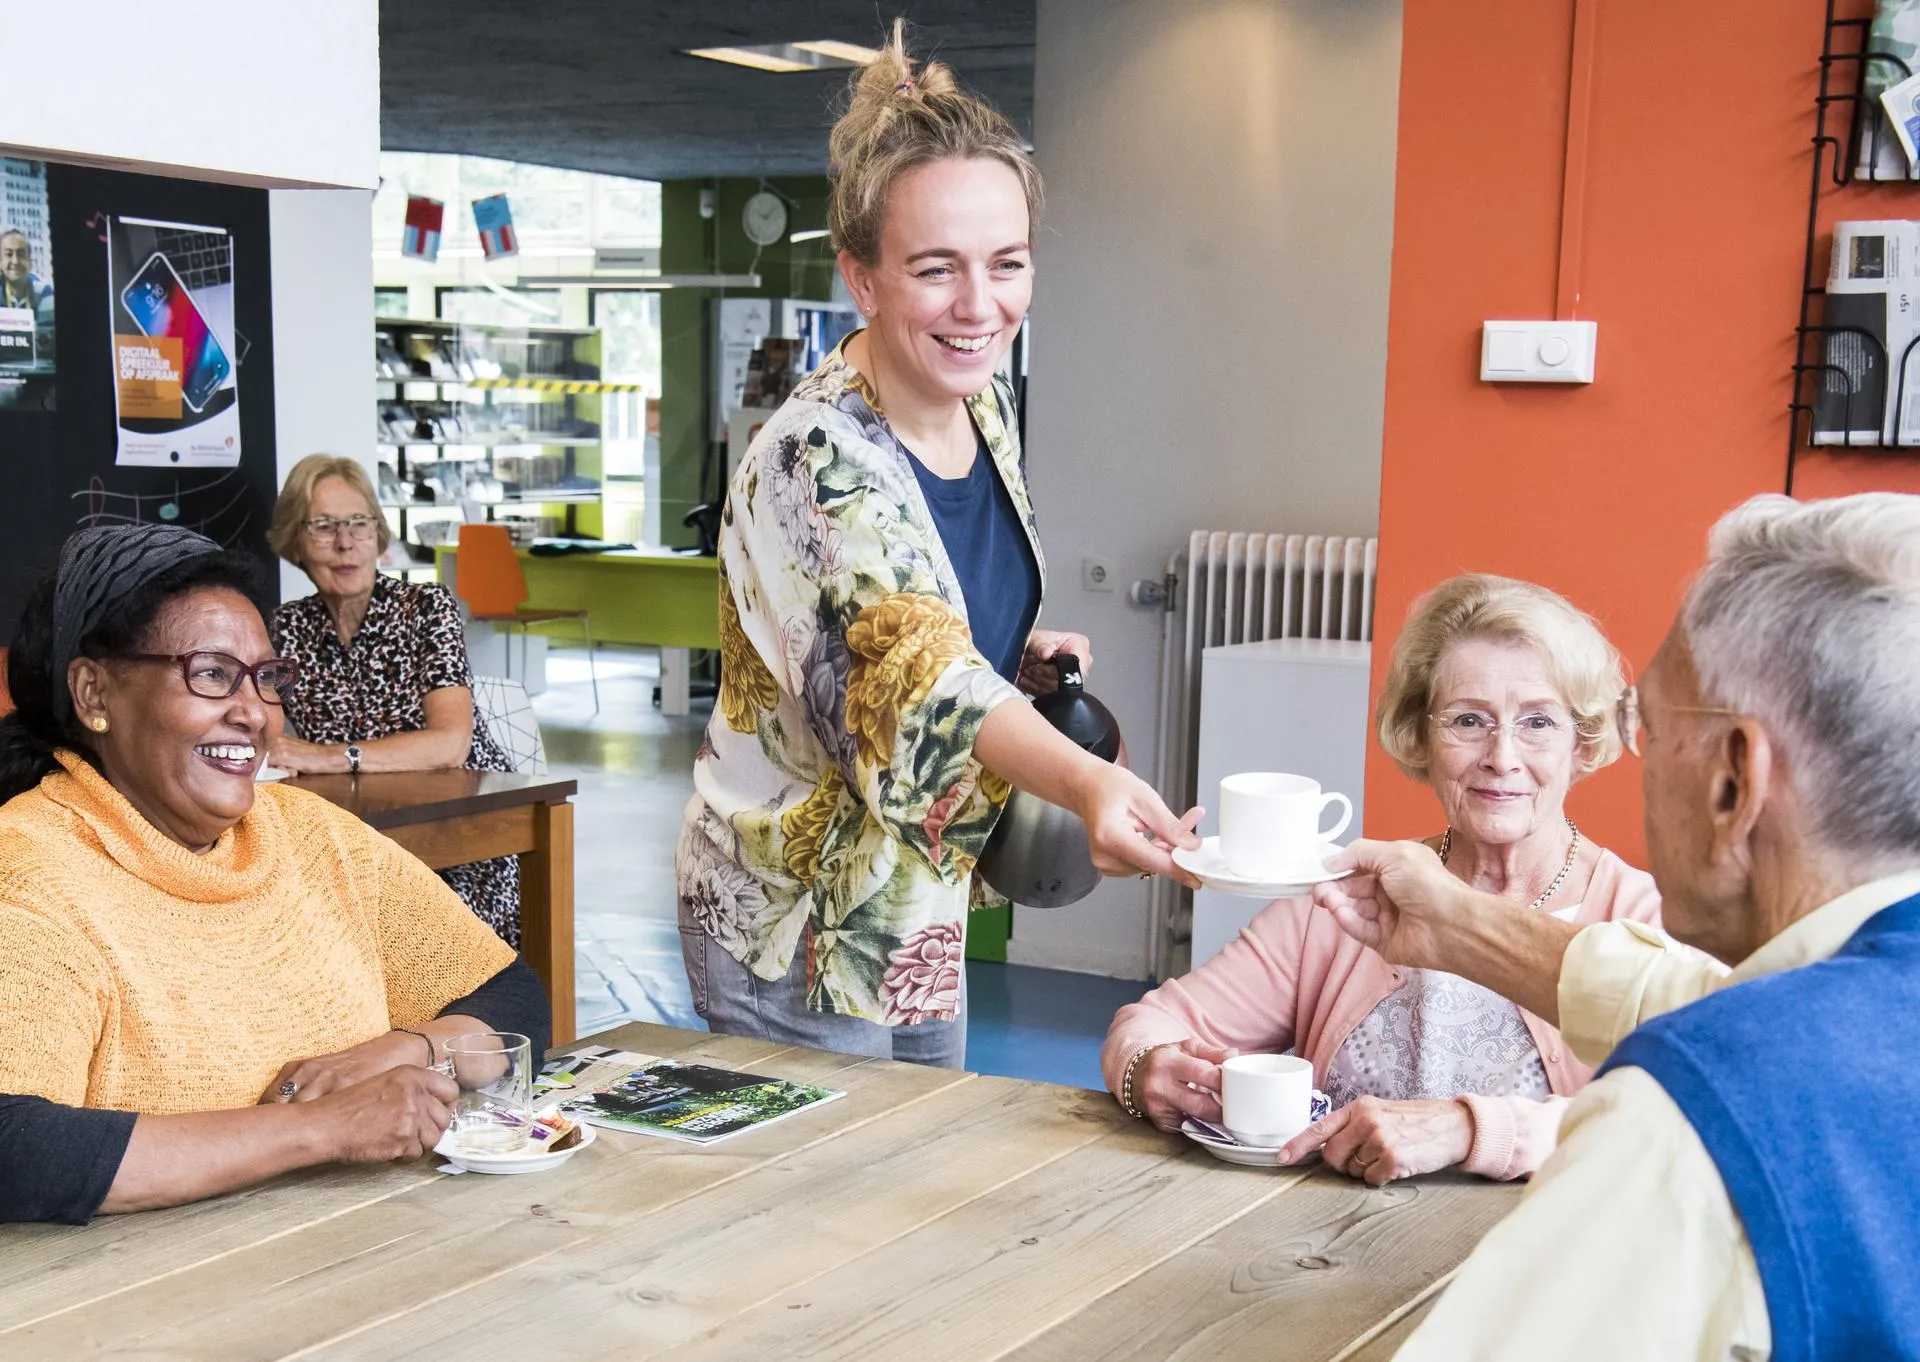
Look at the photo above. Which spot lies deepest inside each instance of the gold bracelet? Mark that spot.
(1127, 1104)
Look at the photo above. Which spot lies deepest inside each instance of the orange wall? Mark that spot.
(1694, 222)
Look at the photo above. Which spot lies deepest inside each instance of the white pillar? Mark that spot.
(322, 332)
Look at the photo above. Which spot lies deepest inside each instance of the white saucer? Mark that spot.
(268, 773)
(1248, 1155)
(1211, 866)
(1231, 1150)
(519, 1161)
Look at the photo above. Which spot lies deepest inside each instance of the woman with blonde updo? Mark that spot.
(880, 578)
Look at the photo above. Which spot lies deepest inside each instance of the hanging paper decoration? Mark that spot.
(495, 223)
(421, 240)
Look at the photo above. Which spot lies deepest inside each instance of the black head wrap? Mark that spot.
(100, 566)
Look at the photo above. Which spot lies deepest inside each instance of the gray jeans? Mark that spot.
(736, 1002)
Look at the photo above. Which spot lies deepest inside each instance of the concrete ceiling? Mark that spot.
(604, 84)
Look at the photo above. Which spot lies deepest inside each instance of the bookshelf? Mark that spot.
(477, 421)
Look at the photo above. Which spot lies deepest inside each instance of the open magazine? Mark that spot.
(622, 1090)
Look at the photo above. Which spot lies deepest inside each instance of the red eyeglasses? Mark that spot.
(216, 676)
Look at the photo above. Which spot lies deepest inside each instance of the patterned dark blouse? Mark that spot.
(411, 642)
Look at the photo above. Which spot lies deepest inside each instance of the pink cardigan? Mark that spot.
(1292, 980)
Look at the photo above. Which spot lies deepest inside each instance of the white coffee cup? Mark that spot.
(1266, 1100)
(1270, 822)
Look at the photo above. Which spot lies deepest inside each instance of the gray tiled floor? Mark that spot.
(635, 770)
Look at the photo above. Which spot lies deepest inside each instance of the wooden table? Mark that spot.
(449, 818)
(928, 1214)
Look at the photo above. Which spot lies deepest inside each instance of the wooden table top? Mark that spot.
(928, 1214)
(394, 799)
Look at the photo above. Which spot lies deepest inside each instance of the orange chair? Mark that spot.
(489, 580)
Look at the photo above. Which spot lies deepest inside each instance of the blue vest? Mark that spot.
(1803, 1088)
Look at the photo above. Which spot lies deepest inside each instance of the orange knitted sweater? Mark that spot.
(139, 975)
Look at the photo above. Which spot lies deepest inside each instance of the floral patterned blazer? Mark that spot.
(838, 811)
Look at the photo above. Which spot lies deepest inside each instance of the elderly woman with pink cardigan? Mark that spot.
(1501, 695)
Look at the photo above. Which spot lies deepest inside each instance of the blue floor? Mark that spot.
(635, 773)
(1044, 1024)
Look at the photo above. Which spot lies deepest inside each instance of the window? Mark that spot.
(551, 207)
(625, 212)
(555, 212)
(629, 322)
(390, 302)
(522, 306)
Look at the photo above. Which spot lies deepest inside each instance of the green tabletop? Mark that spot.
(647, 595)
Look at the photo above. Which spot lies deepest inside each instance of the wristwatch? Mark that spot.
(353, 758)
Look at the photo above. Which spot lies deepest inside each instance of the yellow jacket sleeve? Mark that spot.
(1618, 974)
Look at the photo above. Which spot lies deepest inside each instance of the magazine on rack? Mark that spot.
(697, 1103)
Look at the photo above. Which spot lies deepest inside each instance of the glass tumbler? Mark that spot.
(494, 1112)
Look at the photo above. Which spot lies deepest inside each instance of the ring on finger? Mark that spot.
(287, 1090)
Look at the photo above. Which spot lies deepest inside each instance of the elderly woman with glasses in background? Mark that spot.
(385, 684)
(1501, 695)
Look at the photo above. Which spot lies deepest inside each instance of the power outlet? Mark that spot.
(1096, 574)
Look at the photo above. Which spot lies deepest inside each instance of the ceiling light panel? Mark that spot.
(812, 56)
(851, 53)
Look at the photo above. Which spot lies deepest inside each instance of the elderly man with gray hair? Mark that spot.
(1732, 1184)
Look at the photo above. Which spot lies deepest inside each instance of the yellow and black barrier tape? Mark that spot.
(557, 385)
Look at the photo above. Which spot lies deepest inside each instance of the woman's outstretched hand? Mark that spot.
(1129, 830)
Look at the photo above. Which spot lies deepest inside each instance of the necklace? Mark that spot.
(1446, 846)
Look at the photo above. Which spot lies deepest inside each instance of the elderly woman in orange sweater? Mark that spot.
(249, 977)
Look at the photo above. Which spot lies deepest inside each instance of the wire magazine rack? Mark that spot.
(1847, 121)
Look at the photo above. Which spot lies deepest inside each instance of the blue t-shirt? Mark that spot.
(999, 579)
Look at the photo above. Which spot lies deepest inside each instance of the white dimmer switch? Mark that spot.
(1538, 352)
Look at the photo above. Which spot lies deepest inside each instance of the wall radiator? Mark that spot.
(1231, 587)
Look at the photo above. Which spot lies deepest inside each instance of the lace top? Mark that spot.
(1438, 1036)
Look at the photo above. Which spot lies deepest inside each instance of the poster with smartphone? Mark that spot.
(176, 376)
(26, 287)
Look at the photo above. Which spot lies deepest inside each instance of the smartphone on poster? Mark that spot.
(161, 306)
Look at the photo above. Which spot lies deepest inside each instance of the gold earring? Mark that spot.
(98, 724)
